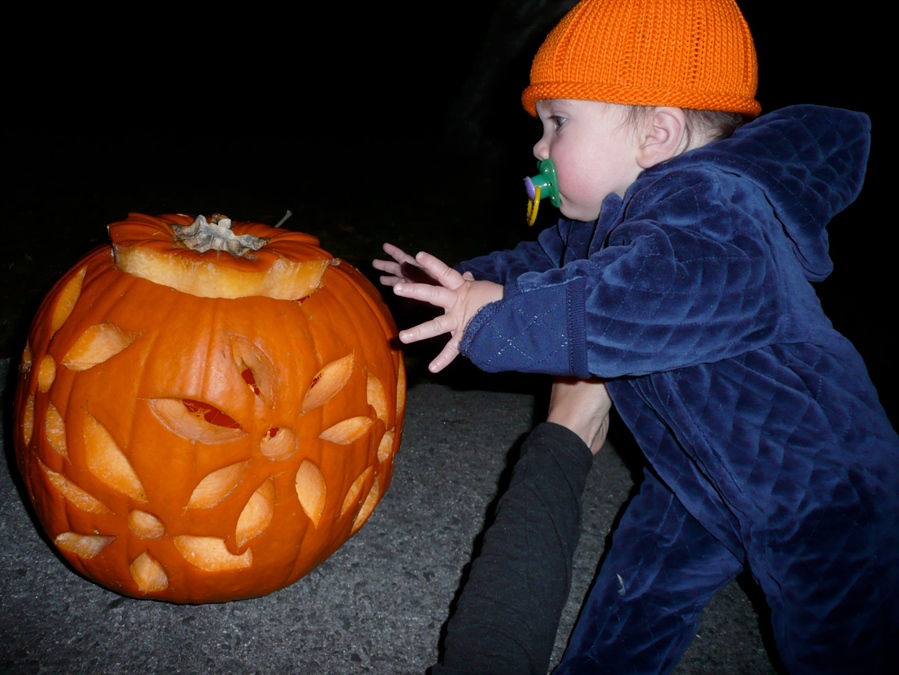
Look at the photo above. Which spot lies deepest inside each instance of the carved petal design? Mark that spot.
(55, 428)
(97, 344)
(65, 301)
(257, 514)
(344, 433)
(27, 358)
(210, 554)
(327, 382)
(401, 391)
(148, 574)
(85, 546)
(352, 495)
(257, 369)
(145, 525)
(46, 373)
(107, 462)
(217, 485)
(385, 447)
(371, 501)
(279, 443)
(377, 398)
(191, 423)
(311, 490)
(28, 420)
(73, 494)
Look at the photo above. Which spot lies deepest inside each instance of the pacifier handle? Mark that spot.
(541, 186)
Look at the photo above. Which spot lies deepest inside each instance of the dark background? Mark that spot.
(382, 123)
(397, 124)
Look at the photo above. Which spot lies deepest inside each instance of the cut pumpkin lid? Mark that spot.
(216, 258)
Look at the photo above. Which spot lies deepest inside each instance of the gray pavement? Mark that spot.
(378, 605)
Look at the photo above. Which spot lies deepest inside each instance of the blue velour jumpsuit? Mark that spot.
(767, 445)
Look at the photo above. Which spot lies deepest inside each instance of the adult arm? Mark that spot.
(508, 613)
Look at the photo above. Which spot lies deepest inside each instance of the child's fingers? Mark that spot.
(415, 274)
(428, 329)
(393, 273)
(403, 267)
(386, 265)
(433, 295)
(445, 357)
(443, 273)
(398, 254)
(390, 267)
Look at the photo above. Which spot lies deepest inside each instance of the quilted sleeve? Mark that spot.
(689, 276)
(504, 267)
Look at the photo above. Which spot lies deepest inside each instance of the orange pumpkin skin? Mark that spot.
(204, 449)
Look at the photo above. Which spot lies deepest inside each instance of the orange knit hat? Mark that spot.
(685, 53)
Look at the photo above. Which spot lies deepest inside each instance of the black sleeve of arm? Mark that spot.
(508, 613)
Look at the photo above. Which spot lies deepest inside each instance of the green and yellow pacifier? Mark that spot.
(541, 186)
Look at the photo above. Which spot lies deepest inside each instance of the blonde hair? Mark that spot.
(708, 125)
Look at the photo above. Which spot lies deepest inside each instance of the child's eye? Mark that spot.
(558, 121)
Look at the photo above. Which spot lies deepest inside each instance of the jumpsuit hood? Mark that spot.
(809, 161)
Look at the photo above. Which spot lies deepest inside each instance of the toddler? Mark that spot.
(679, 274)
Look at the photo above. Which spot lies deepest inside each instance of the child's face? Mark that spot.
(594, 151)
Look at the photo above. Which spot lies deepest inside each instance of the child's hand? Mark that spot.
(459, 295)
(402, 268)
(582, 406)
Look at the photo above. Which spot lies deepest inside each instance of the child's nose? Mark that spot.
(541, 150)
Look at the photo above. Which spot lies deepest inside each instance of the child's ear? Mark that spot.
(664, 136)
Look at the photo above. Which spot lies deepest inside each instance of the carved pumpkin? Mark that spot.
(202, 425)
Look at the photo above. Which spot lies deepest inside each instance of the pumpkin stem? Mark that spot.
(287, 215)
(215, 234)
